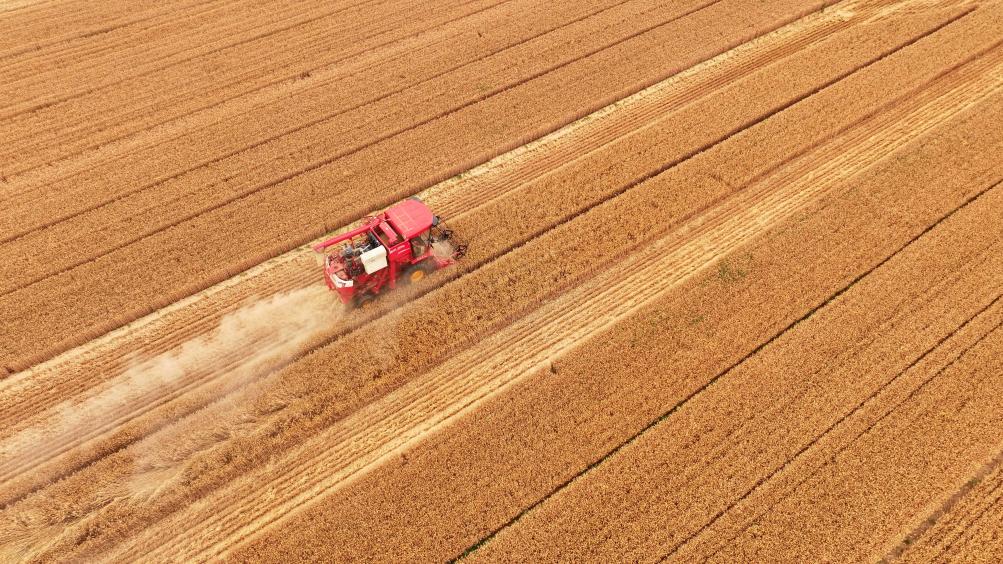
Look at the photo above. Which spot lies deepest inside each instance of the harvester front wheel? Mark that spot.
(418, 272)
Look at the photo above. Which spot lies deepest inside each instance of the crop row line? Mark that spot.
(631, 184)
(617, 193)
(525, 167)
(695, 244)
(979, 68)
(29, 66)
(288, 245)
(312, 41)
(13, 237)
(836, 424)
(204, 118)
(60, 99)
(776, 336)
(58, 388)
(461, 370)
(259, 75)
(509, 348)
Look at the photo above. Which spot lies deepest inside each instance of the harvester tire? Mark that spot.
(364, 303)
(418, 272)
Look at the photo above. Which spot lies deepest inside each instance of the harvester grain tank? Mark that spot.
(401, 245)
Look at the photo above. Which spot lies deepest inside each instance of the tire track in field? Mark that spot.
(973, 276)
(986, 68)
(790, 102)
(851, 415)
(104, 28)
(146, 386)
(915, 124)
(343, 72)
(243, 194)
(39, 65)
(653, 101)
(217, 276)
(933, 291)
(917, 409)
(972, 521)
(984, 312)
(930, 293)
(582, 137)
(954, 519)
(40, 357)
(400, 418)
(255, 63)
(240, 27)
(239, 80)
(155, 108)
(37, 180)
(250, 188)
(206, 118)
(13, 111)
(952, 552)
(666, 167)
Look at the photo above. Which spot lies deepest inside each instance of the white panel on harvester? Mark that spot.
(374, 259)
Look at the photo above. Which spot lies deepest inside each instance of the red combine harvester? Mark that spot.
(403, 243)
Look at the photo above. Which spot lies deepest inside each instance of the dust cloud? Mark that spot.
(443, 248)
(276, 325)
(246, 344)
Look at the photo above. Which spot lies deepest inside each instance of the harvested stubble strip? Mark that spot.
(666, 98)
(459, 485)
(763, 420)
(302, 394)
(75, 373)
(191, 256)
(288, 270)
(731, 67)
(320, 464)
(652, 147)
(785, 427)
(968, 528)
(128, 435)
(800, 65)
(245, 146)
(244, 63)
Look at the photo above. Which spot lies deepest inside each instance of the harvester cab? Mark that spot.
(402, 244)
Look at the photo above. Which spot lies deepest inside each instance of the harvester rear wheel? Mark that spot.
(364, 303)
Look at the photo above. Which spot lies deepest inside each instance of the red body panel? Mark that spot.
(410, 218)
(395, 230)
